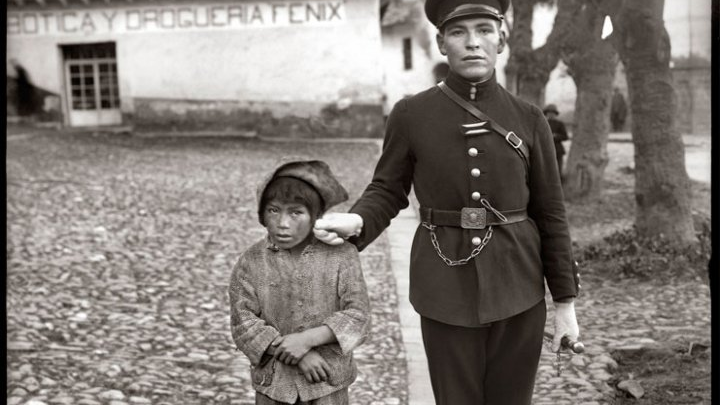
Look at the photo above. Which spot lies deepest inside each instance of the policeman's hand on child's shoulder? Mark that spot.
(289, 349)
(331, 238)
(314, 367)
(333, 228)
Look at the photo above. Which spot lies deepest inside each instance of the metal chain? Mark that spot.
(450, 262)
(497, 213)
(561, 359)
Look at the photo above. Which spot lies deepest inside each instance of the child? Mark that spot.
(298, 307)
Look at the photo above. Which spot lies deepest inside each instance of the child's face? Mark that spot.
(288, 224)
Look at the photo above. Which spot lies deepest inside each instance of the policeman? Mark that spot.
(482, 163)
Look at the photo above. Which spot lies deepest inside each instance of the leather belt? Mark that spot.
(470, 217)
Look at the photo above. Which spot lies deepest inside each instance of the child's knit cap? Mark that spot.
(314, 172)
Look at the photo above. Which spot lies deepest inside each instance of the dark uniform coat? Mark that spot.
(425, 147)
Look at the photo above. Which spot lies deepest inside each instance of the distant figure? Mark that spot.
(559, 133)
(618, 111)
(25, 91)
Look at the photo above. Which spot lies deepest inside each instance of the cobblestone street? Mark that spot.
(119, 251)
(118, 263)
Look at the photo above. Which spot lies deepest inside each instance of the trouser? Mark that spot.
(492, 365)
(339, 397)
(617, 124)
(560, 164)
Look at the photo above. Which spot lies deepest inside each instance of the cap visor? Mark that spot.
(470, 13)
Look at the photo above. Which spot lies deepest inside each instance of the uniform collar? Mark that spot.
(464, 88)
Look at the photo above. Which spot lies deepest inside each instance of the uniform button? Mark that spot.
(476, 241)
(475, 172)
(300, 303)
(475, 196)
(472, 152)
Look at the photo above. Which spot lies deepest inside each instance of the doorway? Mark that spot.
(91, 84)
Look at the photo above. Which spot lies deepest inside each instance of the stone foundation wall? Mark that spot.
(692, 85)
(295, 120)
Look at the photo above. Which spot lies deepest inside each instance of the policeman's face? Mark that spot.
(471, 46)
(288, 224)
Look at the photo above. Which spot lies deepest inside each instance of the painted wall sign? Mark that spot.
(176, 18)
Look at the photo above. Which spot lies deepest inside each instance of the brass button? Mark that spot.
(476, 241)
(475, 172)
(475, 196)
(472, 152)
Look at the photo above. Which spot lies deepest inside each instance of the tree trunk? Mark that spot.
(662, 185)
(591, 63)
(528, 70)
(519, 42)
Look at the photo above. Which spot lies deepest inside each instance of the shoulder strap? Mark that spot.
(509, 136)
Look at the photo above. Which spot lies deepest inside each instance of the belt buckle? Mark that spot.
(473, 218)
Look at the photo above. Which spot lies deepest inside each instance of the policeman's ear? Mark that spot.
(503, 40)
(440, 38)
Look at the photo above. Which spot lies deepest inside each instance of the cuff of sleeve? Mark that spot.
(355, 240)
(567, 287)
(564, 300)
(359, 240)
(347, 341)
(260, 343)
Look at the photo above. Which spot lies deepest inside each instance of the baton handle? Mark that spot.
(574, 345)
(567, 343)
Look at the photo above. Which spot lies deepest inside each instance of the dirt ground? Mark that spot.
(669, 375)
(671, 371)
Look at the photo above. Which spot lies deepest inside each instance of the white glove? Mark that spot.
(333, 228)
(565, 324)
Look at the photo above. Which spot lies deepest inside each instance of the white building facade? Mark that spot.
(308, 66)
